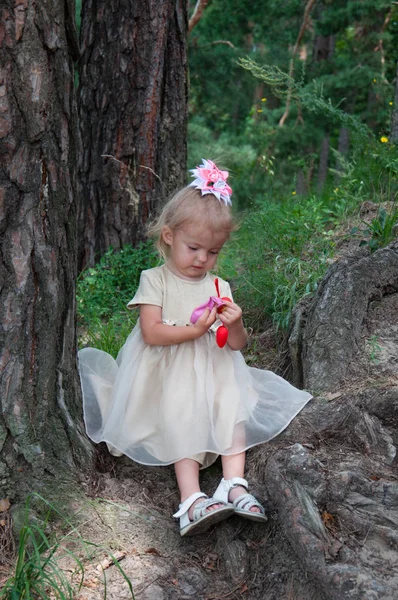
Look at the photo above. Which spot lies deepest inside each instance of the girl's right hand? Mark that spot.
(206, 321)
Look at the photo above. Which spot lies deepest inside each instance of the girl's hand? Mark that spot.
(205, 321)
(231, 315)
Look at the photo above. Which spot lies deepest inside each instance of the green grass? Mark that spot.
(278, 256)
(37, 573)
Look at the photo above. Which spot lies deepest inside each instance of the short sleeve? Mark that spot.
(150, 290)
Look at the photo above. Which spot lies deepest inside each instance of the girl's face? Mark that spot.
(193, 250)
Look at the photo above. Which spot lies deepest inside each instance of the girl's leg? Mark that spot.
(233, 465)
(187, 473)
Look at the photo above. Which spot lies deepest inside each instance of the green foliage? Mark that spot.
(277, 257)
(381, 230)
(310, 97)
(103, 292)
(343, 77)
(37, 573)
(373, 348)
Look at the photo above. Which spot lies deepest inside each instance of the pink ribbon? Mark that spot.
(210, 304)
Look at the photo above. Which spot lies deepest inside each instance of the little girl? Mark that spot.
(175, 395)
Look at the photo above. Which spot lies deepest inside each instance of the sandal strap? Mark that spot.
(228, 484)
(186, 505)
(246, 502)
(200, 509)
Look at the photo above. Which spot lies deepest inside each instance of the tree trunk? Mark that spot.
(324, 46)
(133, 113)
(40, 433)
(333, 331)
(343, 147)
(323, 163)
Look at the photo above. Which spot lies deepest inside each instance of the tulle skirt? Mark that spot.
(160, 404)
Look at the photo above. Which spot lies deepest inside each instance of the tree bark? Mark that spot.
(40, 432)
(133, 113)
(333, 327)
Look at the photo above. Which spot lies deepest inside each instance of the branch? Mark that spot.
(226, 42)
(380, 46)
(197, 14)
(304, 24)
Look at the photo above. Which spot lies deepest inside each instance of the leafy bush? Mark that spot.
(277, 257)
(103, 292)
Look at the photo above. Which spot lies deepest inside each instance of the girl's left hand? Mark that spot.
(231, 315)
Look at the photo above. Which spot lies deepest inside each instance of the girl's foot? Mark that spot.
(234, 492)
(237, 491)
(206, 512)
(208, 509)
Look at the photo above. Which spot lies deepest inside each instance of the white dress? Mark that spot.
(159, 404)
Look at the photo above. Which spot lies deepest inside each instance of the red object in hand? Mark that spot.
(222, 308)
(221, 336)
(222, 331)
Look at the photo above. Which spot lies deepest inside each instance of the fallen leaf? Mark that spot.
(111, 560)
(244, 589)
(327, 519)
(4, 504)
(2, 522)
(332, 395)
(174, 581)
(90, 583)
(152, 551)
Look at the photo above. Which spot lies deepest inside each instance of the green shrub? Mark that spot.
(103, 292)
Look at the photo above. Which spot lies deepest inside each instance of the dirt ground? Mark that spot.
(130, 514)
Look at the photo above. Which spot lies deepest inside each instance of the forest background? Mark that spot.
(299, 104)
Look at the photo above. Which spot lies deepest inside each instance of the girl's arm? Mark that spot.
(231, 317)
(156, 333)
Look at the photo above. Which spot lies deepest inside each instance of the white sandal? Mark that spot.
(202, 519)
(242, 504)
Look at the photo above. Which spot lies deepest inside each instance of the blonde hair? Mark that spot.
(188, 207)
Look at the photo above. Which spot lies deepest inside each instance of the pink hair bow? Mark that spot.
(211, 180)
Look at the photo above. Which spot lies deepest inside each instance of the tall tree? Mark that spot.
(39, 391)
(133, 106)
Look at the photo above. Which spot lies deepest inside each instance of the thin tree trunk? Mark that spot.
(343, 147)
(323, 163)
(394, 120)
(40, 423)
(197, 13)
(324, 46)
(133, 112)
(303, 27)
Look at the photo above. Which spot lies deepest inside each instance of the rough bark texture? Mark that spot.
(133, 107)
(334, 323)
(39, 390)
